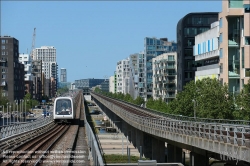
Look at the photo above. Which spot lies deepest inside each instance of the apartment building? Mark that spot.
(12, 72)
(37, 79)
(49, 65)
(63, 75)
(112, 84)
(152, 48)
(234, 39)
(133, 75)
(164, 78)
(207, 53)
(123, 73)
(28, 79)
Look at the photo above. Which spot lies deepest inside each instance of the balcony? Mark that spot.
(170, 89)
(171, 74)
(169, 96)
(169, 67)
(3, 61)
(3, 83)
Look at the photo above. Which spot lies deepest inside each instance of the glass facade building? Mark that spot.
(187, 28)
(154, 47)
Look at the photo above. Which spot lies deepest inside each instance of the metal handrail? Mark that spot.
(211, 136)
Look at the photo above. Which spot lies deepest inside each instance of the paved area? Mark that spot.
(116, 144)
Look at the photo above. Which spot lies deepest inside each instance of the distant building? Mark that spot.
(164, 78)
(63, 75)
(122, 72)
(27, 61)
(49, 65)
(104, 86)
(65, 84)
(133, 75)
(37, 79)
(154, 47)
(12, 72)
(112, 84)
(187, 28)
(87, 84)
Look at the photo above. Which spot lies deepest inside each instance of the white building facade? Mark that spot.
(123, 73)
(112, 84)
(48, 56)
(164, 76)
(207, 53)
(27, 61)
(133, 75)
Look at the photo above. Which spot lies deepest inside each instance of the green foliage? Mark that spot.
(62, 90)
(3, 100)
(207, 97)
(243, 103)
(115, 158)
(30, 103)
(97, 90)
(138, 101)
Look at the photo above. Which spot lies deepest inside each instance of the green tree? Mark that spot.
(207, 98)
(30, 103)
(138, 101)
(3, 100)
(243, 103)
(213, 100)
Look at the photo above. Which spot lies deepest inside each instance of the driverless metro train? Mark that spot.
(64, 110)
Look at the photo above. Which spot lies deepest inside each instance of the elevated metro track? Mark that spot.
(220, 136)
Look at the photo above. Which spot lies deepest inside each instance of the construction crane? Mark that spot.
(33, 44)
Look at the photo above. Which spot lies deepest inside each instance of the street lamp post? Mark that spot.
(22, 109)
(194, 108)
(7, 112)
(10, 114)
(2, 106)
(25, 109)
(16, 101)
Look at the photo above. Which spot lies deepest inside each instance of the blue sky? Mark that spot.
(91, 37)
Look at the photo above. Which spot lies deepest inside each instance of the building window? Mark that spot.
(220, 23)
(3, 41)
(247, 8)
(247, 72)
(242, 57)
(235, 3)
(3, 76)
(221, 53)
(221, 68)
(220, 38)
(3, 47)
(247, 40)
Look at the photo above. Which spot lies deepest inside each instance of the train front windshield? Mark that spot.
(63, 107)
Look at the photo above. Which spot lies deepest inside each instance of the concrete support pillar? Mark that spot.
(124, 128)
(197, 159)
(158, 150)
(174, 154)
(147, 146)
(133, 136)
(139, 139)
